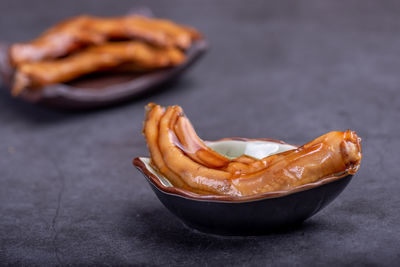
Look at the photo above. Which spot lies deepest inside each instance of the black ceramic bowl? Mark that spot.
(253, 215)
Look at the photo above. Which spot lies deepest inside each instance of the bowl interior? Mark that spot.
(255, 148)
(231, 149)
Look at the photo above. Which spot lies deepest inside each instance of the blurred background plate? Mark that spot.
(100, 89)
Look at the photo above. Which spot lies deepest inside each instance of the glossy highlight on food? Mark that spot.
(188, 163)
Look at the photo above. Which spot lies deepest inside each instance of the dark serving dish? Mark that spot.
(253, 215)
(99, 90)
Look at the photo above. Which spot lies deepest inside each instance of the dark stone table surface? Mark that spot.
(290, 70)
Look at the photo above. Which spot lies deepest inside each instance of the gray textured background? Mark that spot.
(284, 70)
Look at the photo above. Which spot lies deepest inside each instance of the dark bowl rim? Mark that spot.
(171, 190)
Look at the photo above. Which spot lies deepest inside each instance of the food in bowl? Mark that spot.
(179, 155)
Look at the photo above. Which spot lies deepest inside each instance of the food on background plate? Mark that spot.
(67, 50)
(75, 33)
(132, 56)
(188, 163)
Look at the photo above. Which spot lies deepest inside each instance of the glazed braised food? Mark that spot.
(130, 56)
(77, 32)
(73, 47)
(182, 157)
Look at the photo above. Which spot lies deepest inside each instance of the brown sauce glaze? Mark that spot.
(182, 157)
